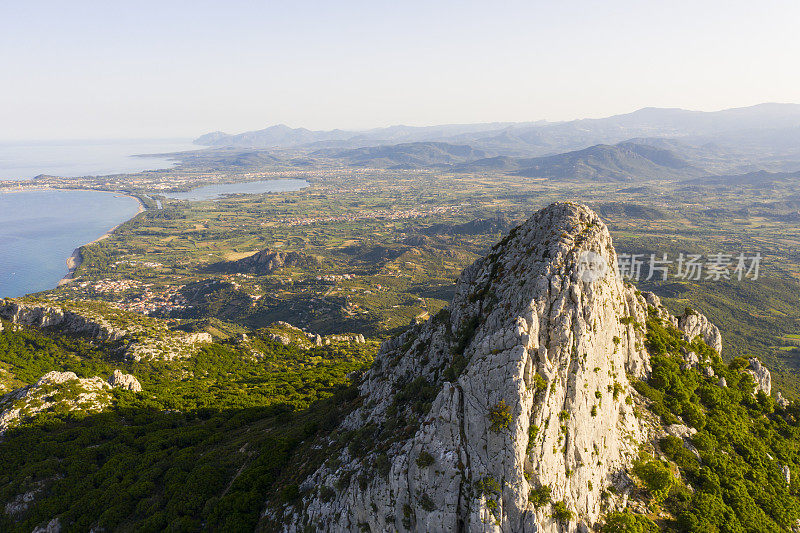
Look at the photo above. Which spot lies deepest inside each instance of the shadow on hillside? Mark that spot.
(135, 468)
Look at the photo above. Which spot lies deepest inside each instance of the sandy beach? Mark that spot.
(74, 260)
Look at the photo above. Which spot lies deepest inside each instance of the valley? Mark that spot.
(387, 246)
(305, 344)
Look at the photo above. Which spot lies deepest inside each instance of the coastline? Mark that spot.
(75, 260)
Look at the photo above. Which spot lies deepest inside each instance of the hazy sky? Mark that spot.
(82, 69)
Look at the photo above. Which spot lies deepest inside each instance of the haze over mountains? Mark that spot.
(408, 155)
(538, 138)
(650, 143)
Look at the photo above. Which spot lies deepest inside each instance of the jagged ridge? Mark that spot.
(522, 384)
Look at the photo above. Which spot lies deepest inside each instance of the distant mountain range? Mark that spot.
(282, 136)
(650, 143)
(763, 124)
(760, 178)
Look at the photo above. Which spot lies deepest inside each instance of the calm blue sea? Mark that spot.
(24, 160)
(40, 229)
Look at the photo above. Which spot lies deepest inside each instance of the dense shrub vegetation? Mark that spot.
(202, 447)
(214, 436)
(626, 522)
(734, 482)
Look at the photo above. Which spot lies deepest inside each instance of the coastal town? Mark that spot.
(132, 295)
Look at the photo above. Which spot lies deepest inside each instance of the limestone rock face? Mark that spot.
(527, 381)
(761, 376)
(44, 316)
(693, 324)
(54, 388)
(124, 381)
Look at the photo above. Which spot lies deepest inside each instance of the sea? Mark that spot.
(40, 229)
(25, 160)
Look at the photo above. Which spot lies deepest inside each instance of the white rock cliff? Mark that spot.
(529, 370)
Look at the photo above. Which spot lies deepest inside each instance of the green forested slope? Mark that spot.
(733, 480)
(200, 448)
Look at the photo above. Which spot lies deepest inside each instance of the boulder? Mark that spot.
(124, 381)
(680, 431)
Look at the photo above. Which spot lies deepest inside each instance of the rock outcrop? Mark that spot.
(286, 334)
(137, 338)
(124, 381)
(266, 262)
(54, 388)
(522, 384)
(694, 324)
(53, 526)
(358, 338)
(761, 376)
(781, 401)
(64, 390)
(41, 315)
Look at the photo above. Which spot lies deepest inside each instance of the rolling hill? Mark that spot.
(408, 155)
(623, 161)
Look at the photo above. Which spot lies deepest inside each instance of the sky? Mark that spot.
(172, 68)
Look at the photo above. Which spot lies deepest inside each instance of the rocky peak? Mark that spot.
(520, 388)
